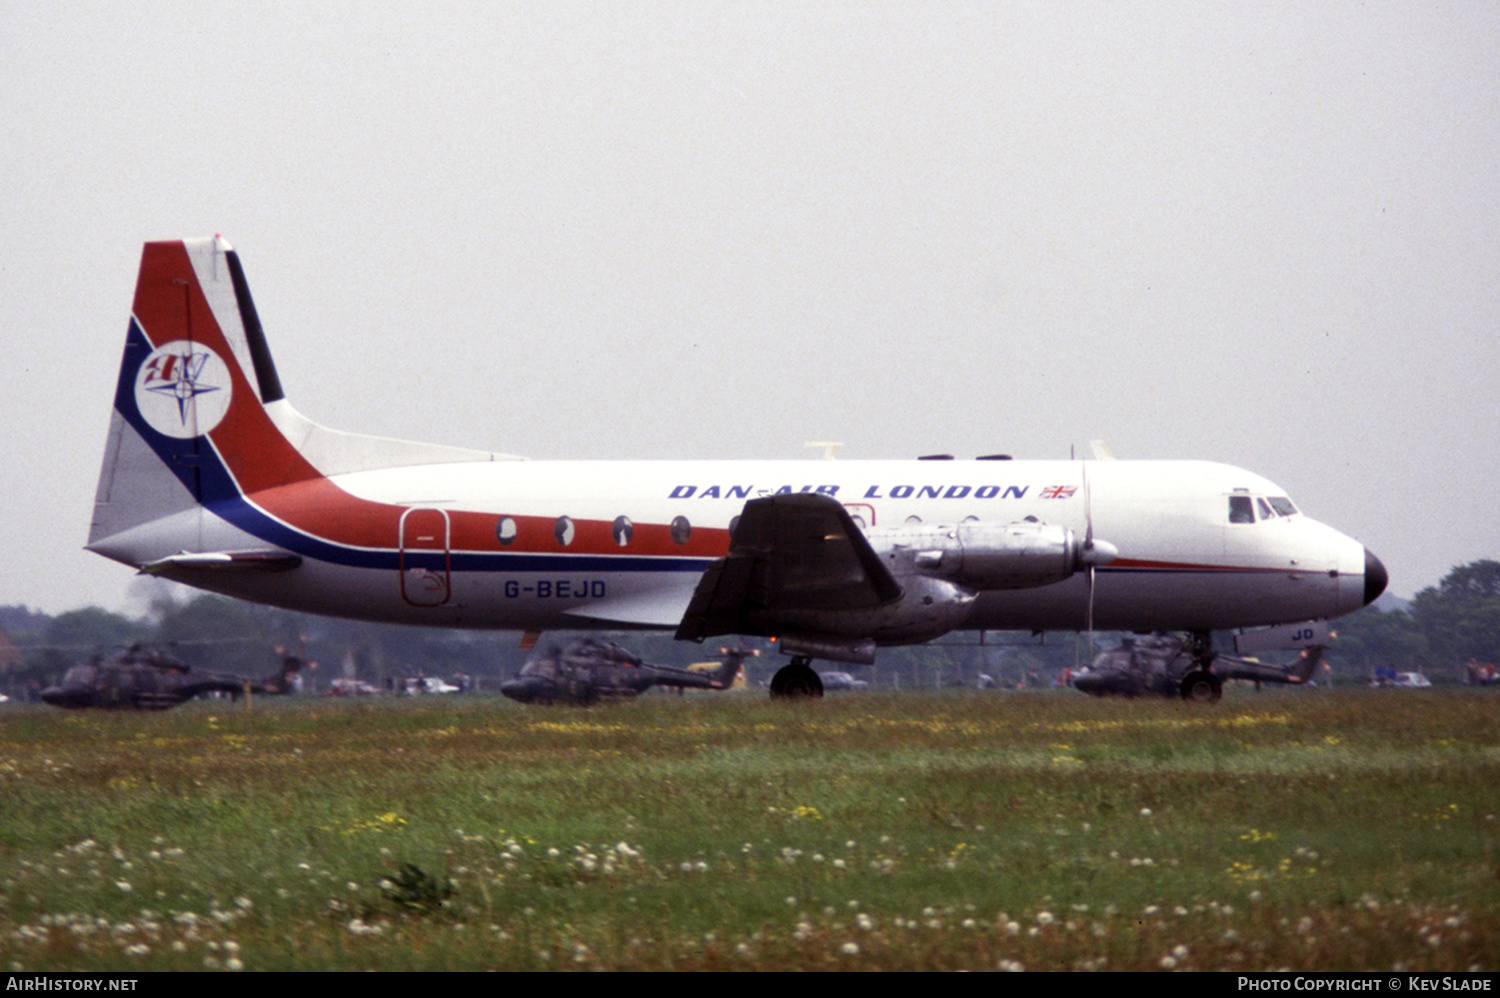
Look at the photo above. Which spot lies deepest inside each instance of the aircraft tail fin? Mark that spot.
(1302, 670)
(180, 378)
(200, 417)
(734, 660)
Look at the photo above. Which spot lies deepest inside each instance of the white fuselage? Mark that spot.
(211, 478)
(1182, 563)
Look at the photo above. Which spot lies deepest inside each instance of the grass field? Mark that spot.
(1295, 830)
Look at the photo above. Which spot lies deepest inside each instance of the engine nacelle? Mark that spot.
(977, 555)
(927, 608)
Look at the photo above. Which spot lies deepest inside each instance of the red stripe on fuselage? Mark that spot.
(321, 508)
(272, 474)
(1177, 566)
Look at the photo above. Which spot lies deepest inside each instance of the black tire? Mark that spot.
(1201, 686)
(796, 682)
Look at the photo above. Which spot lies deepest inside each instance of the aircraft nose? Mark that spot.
(1376, 578)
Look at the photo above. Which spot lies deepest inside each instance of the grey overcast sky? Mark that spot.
(1262, 233)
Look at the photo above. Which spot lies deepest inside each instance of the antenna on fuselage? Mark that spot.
(830, 448)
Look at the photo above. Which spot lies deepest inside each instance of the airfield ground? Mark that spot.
(1300, 830)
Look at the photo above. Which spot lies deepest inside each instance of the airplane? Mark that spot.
(1158, 664)
(589, 671)
(141, 678)
(211, 478)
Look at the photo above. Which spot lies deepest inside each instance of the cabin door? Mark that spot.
(426, 562)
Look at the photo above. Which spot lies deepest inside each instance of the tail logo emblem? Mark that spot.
(182, 390)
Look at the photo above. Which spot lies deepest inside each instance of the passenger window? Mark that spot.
(505, 530)
(1240, 510)
(563, 530)
(623, 529)
(681, 530)
(1265, 510)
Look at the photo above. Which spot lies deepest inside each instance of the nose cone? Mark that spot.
(1376, 578)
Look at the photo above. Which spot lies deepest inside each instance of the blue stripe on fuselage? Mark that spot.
(198, 466)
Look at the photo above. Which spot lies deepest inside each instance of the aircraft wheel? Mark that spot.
(795, 682)
(1201, 687)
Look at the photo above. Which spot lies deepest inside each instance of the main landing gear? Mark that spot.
(796, 680)
(1200, 685)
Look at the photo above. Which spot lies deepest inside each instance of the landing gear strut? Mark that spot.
(1201, 685)
(796, 680)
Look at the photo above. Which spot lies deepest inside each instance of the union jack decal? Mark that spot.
(1059, 491)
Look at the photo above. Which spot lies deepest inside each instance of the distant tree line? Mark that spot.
(1442, 628)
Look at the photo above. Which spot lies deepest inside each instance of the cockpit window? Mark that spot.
(81, 675)
(1283, 505)
(1264, 507)
(1240, 510)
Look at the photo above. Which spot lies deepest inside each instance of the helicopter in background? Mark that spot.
(590, 671)
(1165, 665)
(142, 678)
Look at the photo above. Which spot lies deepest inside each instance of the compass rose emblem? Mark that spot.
(182, 390)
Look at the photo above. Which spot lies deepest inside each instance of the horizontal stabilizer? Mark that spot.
(223, 561)
(1287, 637)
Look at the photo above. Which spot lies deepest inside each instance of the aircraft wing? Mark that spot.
(790, 554)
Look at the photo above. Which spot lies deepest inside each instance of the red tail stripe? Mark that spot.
(167, 297)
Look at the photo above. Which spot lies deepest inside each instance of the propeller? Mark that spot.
(1094, 552)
